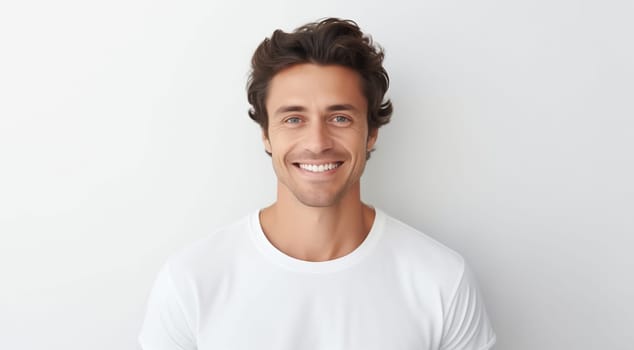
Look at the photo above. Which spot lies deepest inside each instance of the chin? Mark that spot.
(318, 201)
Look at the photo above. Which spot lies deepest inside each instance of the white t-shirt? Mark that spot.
(399, 289)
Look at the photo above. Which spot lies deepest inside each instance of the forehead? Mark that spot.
(310, 84)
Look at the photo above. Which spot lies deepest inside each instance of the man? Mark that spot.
(318, 269)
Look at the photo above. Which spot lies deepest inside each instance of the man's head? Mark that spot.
(318, 95)
(328, 42)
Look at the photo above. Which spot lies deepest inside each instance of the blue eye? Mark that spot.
(341, 119)
(292, 120)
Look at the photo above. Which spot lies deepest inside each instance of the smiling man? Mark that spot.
(319, 139)
(317, 269)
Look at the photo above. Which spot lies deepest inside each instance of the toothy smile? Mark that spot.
(318, 168)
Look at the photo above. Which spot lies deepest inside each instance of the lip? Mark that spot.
(314, 162)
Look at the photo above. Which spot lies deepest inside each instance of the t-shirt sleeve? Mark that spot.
(166, 325)
(466, 324)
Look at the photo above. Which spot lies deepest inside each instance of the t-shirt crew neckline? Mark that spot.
(286, 261)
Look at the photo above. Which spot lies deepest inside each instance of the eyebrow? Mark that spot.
(331, 108)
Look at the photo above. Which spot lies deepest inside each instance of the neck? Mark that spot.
(317, 233)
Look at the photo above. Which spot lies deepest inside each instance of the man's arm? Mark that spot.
(467, 326)
(166, 325)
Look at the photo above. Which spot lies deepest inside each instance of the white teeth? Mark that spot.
(318, 168)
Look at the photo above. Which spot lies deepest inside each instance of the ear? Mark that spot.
(266, 141)
(372, 136)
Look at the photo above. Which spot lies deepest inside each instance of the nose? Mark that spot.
(318, 138)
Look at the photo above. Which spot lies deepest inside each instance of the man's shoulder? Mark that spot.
(214, 248)
(418, 250)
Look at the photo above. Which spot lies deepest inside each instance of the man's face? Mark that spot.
(318, 132)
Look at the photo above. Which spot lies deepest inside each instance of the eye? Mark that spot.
(341, 119)
(292, 120)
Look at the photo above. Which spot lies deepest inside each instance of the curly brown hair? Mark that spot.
(331, 41)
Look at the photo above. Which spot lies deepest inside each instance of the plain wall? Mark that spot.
(124, 136)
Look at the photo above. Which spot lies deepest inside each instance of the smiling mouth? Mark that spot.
(318, 168)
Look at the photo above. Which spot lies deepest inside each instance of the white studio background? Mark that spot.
(124, 136)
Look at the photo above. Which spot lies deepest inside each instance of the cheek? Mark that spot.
(281, 144)
(356, 141)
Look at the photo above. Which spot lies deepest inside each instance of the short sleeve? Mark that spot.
(166, 325)
(466, 324)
